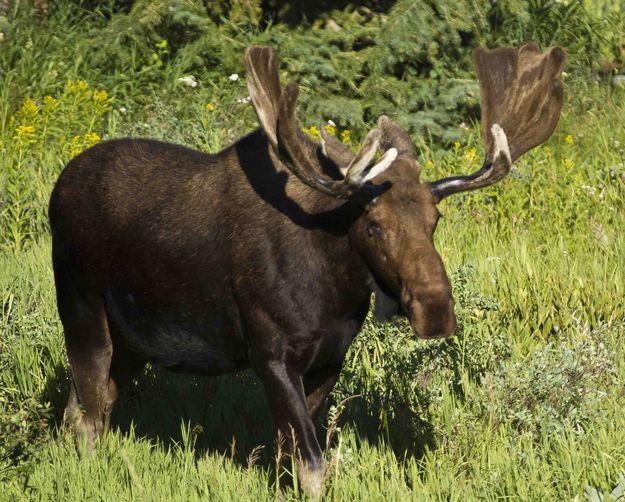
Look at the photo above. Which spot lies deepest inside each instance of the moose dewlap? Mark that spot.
(266, 254)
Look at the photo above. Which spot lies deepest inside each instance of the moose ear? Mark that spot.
(336, 151)
(394, 136)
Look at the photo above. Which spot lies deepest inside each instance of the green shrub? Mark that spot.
(22, 429)
(562, 386)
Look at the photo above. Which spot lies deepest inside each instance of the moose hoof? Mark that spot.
(311, 481)
(85, 431)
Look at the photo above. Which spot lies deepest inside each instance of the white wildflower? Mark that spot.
(189, 80)
(234, 77)
(331, 122)
(599, 233)
(122, 110)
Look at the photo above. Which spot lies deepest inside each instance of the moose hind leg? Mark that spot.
(89, 351)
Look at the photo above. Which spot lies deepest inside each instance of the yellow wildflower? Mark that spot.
(330, 129)
(103, 100)
(568, 139)
(568, 164)
(346, 136)
(100, 96)
(92, 138)
(25, 134)
(429, 164)
(50, 104)
(312, 132)
(29, 108)
(74, 146)
(210, 107)
(77, 87)
(456, 146)
(470, 154)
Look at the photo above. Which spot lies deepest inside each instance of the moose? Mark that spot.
(266, 254)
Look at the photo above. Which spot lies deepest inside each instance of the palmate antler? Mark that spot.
(276, 112)
(521, 99)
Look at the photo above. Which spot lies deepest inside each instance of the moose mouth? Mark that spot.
(430, 319)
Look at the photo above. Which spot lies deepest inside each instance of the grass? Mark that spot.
(525, 403)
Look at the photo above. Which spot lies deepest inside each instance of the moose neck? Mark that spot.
(274, 184)
(325, 222)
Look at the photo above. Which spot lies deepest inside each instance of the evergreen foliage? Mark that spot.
(410, 59)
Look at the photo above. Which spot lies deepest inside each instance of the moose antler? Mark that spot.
(276, 112)
(521, 100)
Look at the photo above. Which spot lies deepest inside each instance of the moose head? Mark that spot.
(521, 100)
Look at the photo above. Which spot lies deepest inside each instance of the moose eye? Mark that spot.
(374, 228)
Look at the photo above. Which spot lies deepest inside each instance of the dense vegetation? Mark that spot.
(526, 402)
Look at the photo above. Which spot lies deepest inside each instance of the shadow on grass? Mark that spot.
(56, 392)
(405, 432)
(229, 415)
(226, 414)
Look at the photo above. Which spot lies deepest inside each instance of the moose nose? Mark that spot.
(430, 312)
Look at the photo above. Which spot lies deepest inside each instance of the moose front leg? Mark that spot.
(287, 401)
(321, 379)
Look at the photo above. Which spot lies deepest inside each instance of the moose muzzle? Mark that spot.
(430, 311)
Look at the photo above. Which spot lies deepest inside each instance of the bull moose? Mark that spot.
(266, 254)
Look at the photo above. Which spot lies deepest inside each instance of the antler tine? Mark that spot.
(491, 171)
(276, 112)
(521, 100)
